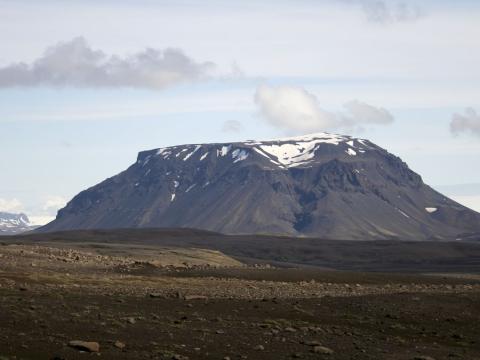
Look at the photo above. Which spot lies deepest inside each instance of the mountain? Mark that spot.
(320, 185)
(14, 223)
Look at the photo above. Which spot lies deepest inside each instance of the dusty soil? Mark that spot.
(166, 303)
(281, 251)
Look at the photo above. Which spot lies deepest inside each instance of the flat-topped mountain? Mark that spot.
(14, 223)
(320, 185)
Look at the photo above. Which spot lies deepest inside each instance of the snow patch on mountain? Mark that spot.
(191, 153)
(14, 223)
(283, 152)
(190, 187)
(224, 150)
(291, 154)
(239, 155)
(295, 151)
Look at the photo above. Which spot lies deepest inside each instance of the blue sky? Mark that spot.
(74, 115)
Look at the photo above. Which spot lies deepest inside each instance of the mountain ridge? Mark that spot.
(11, 223)
(322, 185)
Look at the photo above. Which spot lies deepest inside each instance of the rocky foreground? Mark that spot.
(114, 302)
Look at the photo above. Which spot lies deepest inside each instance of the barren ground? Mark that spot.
(179, 303)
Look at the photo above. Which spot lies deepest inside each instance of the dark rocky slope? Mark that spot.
(318, 185)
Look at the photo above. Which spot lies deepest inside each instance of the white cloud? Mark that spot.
(470, 201)
(11, 205)
(233, 126)
(350, 46)
(380, 11)
(469, 122)
(75, 63)
(40, 219)
(292, 108)
(54, 203)
(363, 113)
(41, 215)
(296, 110)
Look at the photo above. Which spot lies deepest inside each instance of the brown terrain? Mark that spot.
(105, 298)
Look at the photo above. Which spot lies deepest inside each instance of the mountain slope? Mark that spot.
(14, 223)
(316, 185)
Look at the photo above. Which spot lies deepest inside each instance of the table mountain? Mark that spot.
(320, 185)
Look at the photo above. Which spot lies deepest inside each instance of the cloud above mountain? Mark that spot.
(11, 205)
(468, 123)
(389, 11)
(296, 110)
(76, 64)
(232, 126)
(53, 203)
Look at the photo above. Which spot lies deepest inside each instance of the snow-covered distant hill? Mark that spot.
(14, 223)
(320, 185)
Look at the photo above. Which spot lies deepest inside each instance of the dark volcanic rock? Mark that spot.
(89, 346)
(317, 185)
(322, 350)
